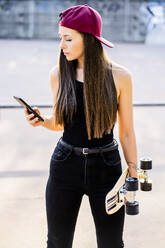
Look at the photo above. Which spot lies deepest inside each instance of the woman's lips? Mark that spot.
(66, 53)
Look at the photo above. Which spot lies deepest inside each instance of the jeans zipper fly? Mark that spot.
(85, 171)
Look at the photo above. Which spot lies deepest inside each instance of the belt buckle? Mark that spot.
(85, 150)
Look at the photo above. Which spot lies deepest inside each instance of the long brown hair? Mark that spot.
(100, 96)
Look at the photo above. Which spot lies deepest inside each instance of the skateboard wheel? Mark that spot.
(144, 186)
(146, 163)
(131, 184)
(132, 208)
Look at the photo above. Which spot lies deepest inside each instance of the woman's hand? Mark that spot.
(35, 122)
(133, 171)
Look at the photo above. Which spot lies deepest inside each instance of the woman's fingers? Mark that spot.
(26, 111)
(29, 117)
(32, 120)
(35, 121)
(36, 110)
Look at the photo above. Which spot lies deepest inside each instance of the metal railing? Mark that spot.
(137, 104)
(32, 105)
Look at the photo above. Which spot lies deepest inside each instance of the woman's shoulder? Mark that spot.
(120, 70)
(122, 75)
(53, 77)
(54, 71)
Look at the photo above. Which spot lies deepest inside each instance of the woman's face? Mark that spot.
(72, 43)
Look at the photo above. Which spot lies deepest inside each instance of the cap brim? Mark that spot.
(105, 42)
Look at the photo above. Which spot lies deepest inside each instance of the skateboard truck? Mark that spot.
(124, 191)
(131, 186)
(145, 181)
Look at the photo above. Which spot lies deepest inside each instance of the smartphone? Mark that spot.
(30, 110)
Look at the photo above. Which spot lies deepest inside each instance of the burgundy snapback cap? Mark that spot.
(84, 19)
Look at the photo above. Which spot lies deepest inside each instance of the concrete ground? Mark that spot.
(25, 151)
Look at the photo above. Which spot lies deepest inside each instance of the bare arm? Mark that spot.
(49, 121)
(125, 121)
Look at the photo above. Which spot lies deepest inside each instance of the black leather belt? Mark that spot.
(83, 150)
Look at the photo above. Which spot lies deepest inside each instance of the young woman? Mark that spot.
(89, 92)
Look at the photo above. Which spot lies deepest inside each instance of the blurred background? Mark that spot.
(29, 48)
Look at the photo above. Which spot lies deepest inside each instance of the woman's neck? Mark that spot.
(80, 63)
(79, 74)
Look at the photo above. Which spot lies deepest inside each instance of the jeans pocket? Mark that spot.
(111, 158)
(61, 153)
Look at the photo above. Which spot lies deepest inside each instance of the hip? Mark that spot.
(96, 169)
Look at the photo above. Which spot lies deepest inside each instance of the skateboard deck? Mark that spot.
(115, 198)
(124, 191)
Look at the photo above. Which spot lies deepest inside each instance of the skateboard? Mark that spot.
(124, 191)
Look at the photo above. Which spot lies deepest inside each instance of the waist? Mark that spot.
(77, 136)
(85, 150)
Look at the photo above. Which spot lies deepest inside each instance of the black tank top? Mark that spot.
(75, 133)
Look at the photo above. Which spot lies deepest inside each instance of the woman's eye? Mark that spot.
(65, 40)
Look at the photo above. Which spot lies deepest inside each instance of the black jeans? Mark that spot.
(70, 177)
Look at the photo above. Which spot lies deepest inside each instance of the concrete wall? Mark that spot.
(123, 20)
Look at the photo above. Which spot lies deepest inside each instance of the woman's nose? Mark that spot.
(62, 44)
